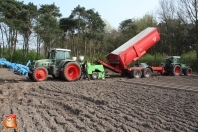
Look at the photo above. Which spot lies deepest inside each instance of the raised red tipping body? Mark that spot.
(132, 50)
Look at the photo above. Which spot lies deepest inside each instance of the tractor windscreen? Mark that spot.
(178, 60)
(61, 54)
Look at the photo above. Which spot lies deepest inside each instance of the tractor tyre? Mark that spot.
(40, 74)
(187, 71)
(146, 72)
(81, 76)
(94, 75)
(71, 71)
(136, 73)
(30, 75)
(176, 70)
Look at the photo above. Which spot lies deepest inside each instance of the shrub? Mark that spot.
(18, 56)
(153, 60)
(189, 59)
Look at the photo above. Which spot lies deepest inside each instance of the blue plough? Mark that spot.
(18, 69)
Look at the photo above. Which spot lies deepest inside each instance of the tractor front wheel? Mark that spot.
(71, 71)
(187, 71)
(40, 74)
(176, 71)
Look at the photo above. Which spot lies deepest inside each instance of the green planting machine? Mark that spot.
(95, 71)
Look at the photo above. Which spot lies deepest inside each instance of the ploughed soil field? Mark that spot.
(155, 104)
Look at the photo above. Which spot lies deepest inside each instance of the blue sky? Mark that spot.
(113, 11)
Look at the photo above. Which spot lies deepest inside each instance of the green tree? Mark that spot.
(68, 26)
(83, 29)
(11, 11)
(48, 26)
(78, 15)
(128, 29)
(27, 15)
(94, 32)
(148, 20)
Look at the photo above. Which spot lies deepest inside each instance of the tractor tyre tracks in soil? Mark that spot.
(117, 104)
(171, 82)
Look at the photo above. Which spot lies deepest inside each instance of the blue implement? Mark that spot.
(19, 69)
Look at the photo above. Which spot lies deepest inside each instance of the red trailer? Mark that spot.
(119, 59)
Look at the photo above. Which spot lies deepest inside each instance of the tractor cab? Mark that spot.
(173, 60)
(57, 55)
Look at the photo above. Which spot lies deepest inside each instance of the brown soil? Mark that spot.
(159, 103)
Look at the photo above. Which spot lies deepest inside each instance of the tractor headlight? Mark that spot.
(81, 58)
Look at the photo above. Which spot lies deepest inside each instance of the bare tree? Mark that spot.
(188, 13)
(167, 13)
(2, 37)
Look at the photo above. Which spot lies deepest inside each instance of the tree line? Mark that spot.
(86, 33)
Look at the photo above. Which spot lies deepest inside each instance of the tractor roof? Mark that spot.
(60, 49)
(168, 57)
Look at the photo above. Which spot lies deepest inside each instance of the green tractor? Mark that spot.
(173, 66)
(60, 65)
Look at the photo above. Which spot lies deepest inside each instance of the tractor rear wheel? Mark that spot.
(40, 74)
(187, 71)
(176, 70)
(30, 75)
(146, 72)
(71, 71)
(136, 73)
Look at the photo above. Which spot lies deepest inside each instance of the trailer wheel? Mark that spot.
(94, 75)
(176, 70)
(187, 71)
(136, 73)
(30, 75)
(71, 71)
(40, 74)
(146, 72)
